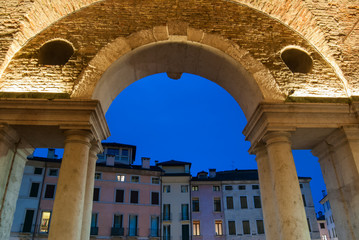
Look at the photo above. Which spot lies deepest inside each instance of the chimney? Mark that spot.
(145, 162)
(110, 160)
(212, 172)
(51, 153)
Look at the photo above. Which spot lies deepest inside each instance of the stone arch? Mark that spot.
(207, 55)
(39, 15)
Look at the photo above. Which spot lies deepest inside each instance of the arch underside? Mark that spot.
(217, 26)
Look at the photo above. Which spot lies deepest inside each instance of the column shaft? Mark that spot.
(13, 158)
(66, 222)
(267, 194)
(291, 215)
(339, 161)
(87, 213)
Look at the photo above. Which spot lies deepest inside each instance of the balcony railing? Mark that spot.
(94, 231)
(132, 232)
(117, 231)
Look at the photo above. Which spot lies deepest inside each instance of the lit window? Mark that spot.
(218, 227)
(98, 176)
(45, 221)
(184, 188)
(196, 228)
(135, 179)
(120, 178)
(166, 188)
(216, 188)
(194, 188)
(53, 172)
(228, 188)
(324, 237)
(155, 180)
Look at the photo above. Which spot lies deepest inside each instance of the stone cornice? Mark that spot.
(62, 114)
(298, 118)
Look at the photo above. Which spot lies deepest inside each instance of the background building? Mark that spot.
(329, 219)
(322, 225)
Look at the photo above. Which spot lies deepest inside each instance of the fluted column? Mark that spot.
(267, 194)
(86, 221)
(66, 222)
(13, 157)
(339, 160)
(291, 215)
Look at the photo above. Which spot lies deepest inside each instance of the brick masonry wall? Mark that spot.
(92, 28)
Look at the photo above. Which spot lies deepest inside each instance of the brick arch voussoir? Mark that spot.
(174, 31)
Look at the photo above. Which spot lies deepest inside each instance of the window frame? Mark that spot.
(123, 196)
(47, 184)
(138, 196)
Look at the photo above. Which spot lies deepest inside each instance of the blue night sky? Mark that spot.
(194, 120)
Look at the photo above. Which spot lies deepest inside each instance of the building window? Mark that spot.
(257, 201)
(29, 216)
(34, 190)
(154, 226)
(38, 171)
(132, 229)
(120, 178)
(216, 188)
(218, 227)
(304, 202)
(120, 195)
(194, 188)
(228, 188)
(53, 172)
(113, 151)
(324, 237)
(94, 229)
(229, 202)
(232, 228)
(96, 194)
(166, 211)
(49, 191)
(196, 228)
(217, 204)
(260, 227)
(184, 212)
(124, 154)
(310, 229)
(166, 188)
(255, 187)
(322, 225)
(301, 185)
(243, 200)
(135, 179)
(242, 187)
(117, 225)
(155, 180)
(98, 176)
(184, 188)
(166, 232)
(134, 197)
(45, 222)
(155, 198)
(246, 227)
(195, 204)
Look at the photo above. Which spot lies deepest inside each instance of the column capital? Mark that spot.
(96, 148)
(79, 136)
(275, 137)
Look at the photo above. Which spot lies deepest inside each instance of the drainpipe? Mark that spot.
(38, 206)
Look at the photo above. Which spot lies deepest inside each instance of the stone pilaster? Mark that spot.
(339, 160)
(267, 194)
(87, 212)
(291, 217)
(68, 208)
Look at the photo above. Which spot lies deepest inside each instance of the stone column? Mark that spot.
(291, 215)
(13, 156)
(267, 194)
(66, 221)
(90, 180)
(339, 160)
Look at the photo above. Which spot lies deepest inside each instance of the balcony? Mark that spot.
(94, 231)
(117, 231)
